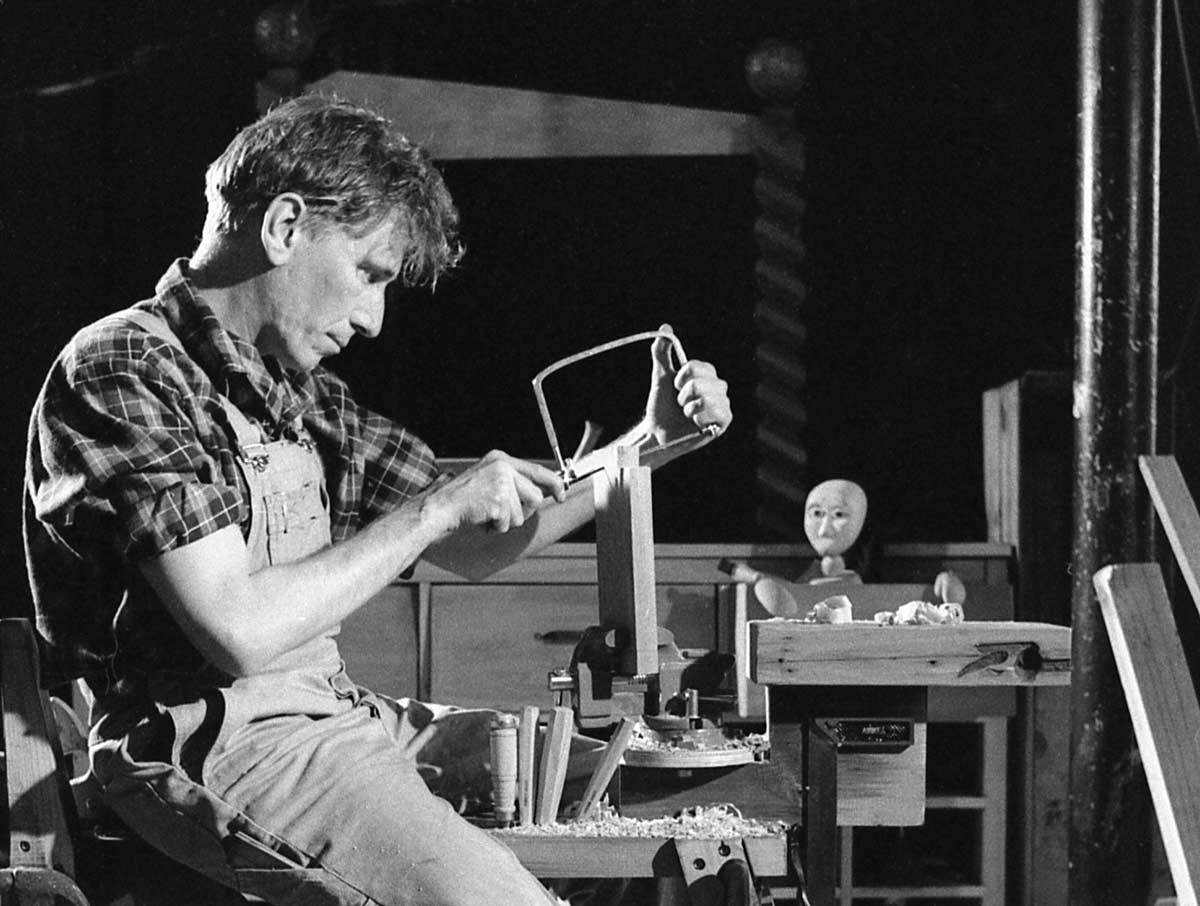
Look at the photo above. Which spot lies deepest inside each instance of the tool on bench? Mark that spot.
(504, 768)
(1023, 658)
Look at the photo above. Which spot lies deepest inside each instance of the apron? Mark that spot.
(295, 785)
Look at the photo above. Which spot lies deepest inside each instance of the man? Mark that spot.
(205, 504)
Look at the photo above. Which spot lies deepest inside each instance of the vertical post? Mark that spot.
(1114, 410)
(625, 560)
(776, 72)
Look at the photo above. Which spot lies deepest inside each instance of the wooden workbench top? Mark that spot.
(793, 652)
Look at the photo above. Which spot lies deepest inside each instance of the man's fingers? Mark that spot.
(661, 351)
(548, 482)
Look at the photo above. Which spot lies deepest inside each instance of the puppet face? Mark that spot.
(833, 516)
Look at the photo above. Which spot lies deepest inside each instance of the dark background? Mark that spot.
(940, 221)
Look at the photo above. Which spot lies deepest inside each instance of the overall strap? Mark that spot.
(249, 436)
(151, 324)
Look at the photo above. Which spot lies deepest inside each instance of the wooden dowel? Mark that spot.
(609, 760)
(556, 750)
(527, 763)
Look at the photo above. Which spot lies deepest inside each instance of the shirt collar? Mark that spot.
(255, 383)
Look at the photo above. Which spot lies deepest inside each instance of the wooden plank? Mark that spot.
(456, 120)
(37, 828)
(790, 652)
(380, 643)
(1162, 704)
(552, 772)
(1001, 461)
(1177, 513)
(568, 856)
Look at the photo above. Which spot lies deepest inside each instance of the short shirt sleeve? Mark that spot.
(122, 456)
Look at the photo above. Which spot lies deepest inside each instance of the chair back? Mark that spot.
(40, 854)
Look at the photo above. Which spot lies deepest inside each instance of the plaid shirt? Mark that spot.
(130, 455)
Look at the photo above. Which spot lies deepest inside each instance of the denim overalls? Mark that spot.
(314, 790)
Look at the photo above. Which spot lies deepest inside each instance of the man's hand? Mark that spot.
(683, 399)
(498, 492)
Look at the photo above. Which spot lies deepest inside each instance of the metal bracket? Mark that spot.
(717, 872)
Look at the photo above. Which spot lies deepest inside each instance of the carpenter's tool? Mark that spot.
(566, 468)
(1023, 658)
(504, 767)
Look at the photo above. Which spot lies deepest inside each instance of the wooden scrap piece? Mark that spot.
(607, 766)
(1162, 704)
(527, 764)
(1177, 512)
(552, 773)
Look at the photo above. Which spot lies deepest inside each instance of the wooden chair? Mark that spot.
(1154, 671)
(54, 857)
(41, 854)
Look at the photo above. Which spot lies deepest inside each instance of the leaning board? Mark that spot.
(1162, 705)
(796, 653)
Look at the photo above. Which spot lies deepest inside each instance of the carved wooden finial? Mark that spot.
(776, 71)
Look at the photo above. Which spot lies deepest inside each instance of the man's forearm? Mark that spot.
(242, 621)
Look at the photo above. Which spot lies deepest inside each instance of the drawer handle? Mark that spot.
(559, 636)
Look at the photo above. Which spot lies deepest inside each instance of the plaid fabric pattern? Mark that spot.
(130, 455)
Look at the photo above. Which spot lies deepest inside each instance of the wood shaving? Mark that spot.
(646, 740)
(711, 822)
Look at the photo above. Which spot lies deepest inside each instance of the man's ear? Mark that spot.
(280, 231)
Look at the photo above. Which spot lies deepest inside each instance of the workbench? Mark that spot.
(493, 644)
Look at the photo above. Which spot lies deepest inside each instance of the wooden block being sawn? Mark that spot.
(552, 773)
(625, 576)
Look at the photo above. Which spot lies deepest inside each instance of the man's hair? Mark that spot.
(352, 168)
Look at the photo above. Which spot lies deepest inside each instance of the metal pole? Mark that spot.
(1114, 408)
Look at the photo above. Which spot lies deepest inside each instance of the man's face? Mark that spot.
(833, 516)
(330, 289)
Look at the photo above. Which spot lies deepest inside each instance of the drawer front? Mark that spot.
(379, 642)
(495, 645)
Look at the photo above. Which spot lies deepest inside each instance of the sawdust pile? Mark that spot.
(702, 822)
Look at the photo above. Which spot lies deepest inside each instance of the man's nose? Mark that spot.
(367, 316)
(826, 526)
